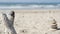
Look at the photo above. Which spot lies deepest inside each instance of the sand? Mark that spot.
(34, 21)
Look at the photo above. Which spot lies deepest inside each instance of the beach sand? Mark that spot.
(32, 21)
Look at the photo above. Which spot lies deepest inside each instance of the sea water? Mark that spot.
(29, 5)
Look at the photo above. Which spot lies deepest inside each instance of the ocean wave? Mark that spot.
(29, 6)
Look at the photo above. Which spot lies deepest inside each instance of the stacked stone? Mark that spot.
(53, 25)
(8, 22)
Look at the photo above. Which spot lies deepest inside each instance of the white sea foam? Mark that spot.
(29, 6)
